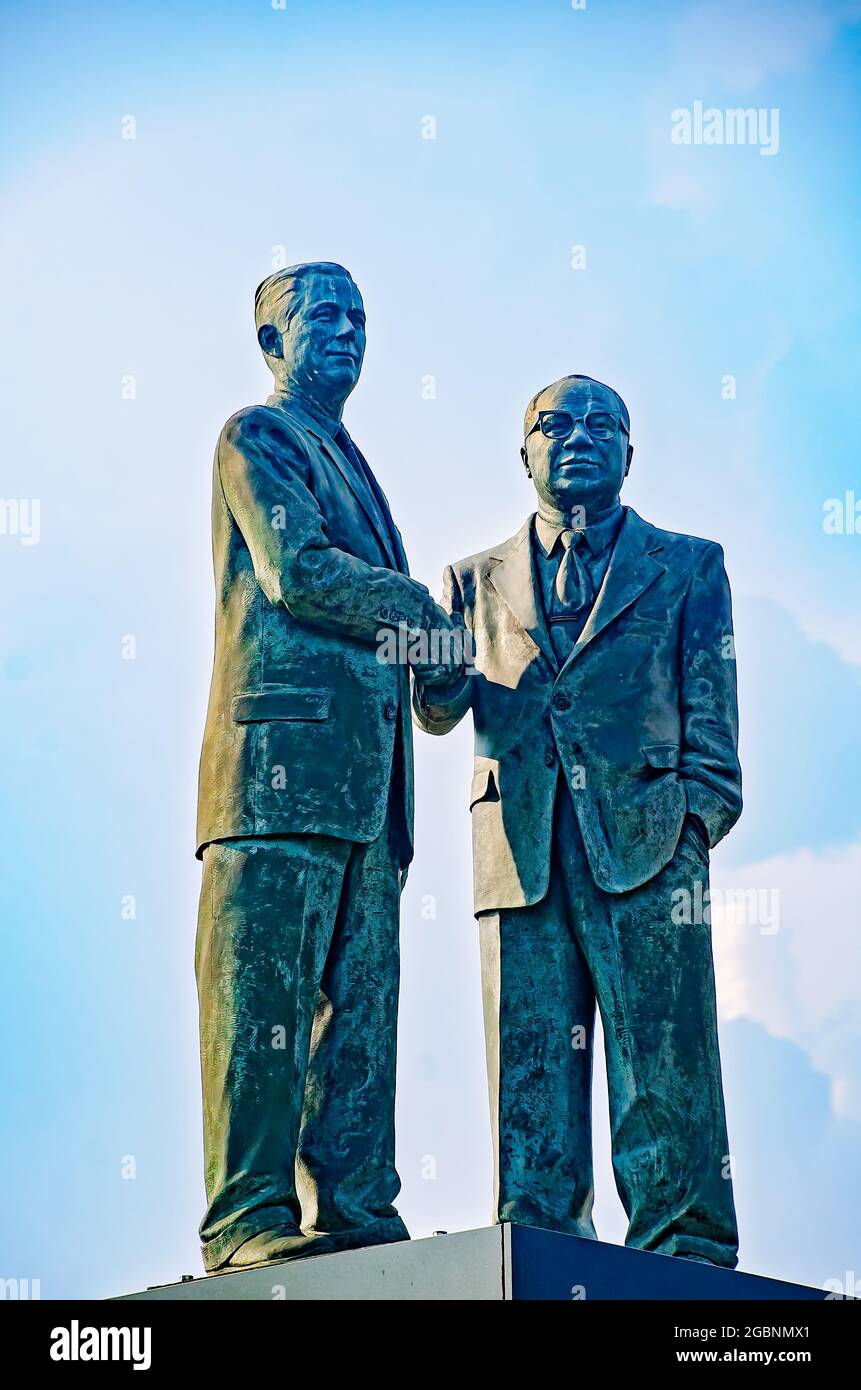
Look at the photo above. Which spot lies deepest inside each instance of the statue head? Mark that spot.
(576, 446)
(311, 326)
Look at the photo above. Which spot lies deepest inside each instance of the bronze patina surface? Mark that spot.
(604, 706)
(305, 808)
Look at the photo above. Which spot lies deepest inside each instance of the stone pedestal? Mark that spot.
(497, 1263)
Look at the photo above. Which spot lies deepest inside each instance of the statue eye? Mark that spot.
(556, 424)
(599, 425)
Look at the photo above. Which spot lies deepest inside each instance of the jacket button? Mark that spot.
(561, 700)
(549, 757)
(391, 710)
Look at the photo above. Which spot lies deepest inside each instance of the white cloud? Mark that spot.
(842, 631)
(800, 982)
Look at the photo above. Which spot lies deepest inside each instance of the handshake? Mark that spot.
(440, 655)
(439, 651)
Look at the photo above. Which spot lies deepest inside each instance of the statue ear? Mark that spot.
(628, 459)
(270, 340)
(525, 461)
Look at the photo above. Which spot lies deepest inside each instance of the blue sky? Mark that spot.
(261, 130)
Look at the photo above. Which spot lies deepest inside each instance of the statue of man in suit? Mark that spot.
(305, 804)
(604, 706)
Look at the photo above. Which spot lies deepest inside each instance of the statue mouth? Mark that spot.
(579, 466)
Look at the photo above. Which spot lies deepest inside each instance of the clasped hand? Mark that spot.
(446, 649)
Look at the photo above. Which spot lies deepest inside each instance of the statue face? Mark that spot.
(324, 343)
(578, 456)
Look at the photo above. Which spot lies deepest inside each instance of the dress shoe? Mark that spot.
(283, 1243)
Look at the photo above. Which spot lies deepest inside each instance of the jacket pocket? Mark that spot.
(694, 830)
(280, 702)
(664, 756)
(483, 787)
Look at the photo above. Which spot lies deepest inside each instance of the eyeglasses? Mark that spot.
(559, 424)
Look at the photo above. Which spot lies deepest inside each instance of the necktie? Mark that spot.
(573, 585)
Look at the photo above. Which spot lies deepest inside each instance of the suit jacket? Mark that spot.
(641, 718)
(302, 718)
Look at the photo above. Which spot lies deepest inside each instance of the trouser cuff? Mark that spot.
(218, 1249)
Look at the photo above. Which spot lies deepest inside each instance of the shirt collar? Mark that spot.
(598, 536)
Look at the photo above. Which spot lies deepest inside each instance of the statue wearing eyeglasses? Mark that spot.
(604, 704)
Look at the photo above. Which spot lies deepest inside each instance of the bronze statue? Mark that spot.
(305, 805)
(604, 706)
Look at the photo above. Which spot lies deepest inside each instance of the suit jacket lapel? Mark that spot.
(396, 544)
(348, 473)
(515, 580)
(294, 408)
(631, 570)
